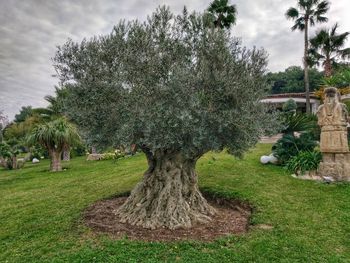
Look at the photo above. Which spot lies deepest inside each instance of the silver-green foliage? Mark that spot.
(168, 83)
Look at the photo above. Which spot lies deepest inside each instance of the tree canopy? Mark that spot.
(308, 12)
(166, 83)
(292, 80)
(223, 14)
(327, 48)
(25, 112)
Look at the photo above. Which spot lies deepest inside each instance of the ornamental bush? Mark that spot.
(289, 146)
(304, 161)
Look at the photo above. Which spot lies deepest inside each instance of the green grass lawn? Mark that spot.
(40, 214)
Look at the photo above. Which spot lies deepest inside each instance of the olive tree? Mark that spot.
(176, 89)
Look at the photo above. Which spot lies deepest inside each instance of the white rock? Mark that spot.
(273, 159)
(264, 159)
(35, 160)
(328, 179)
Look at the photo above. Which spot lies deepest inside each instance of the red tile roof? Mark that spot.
(291, 95)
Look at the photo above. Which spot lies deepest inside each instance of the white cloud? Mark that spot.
(30, 31)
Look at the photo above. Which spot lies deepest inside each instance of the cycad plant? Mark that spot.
(55, 136)
(327, 47)
(291, 143)
(298, 122)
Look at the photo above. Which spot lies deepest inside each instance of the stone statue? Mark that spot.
(333, 120)
(333, 117)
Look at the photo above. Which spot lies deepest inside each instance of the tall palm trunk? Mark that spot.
(55, 164)
(306, 66)
(328, 67)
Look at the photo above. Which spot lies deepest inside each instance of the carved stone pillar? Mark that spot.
(333, 118)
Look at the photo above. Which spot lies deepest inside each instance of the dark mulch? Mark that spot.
(232, 218)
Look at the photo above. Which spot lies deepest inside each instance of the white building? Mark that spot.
(279, 99)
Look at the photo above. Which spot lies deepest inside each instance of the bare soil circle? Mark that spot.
(232, 218)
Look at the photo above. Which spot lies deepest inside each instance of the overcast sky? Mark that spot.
(30, 30)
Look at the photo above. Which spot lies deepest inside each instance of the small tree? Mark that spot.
(8, 154)
(57, 108)
(290, 106)
(176, 89)
(54, 136)
(292, 80)
(26, 111)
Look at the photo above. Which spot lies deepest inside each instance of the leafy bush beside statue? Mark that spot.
(303, 162)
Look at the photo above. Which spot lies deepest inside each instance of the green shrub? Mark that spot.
(289, 146)
(79, 150)
(38, 152)
(304, 161)
(289, 106)
(8, 155)
(108, 156)
(113, 156)
(340, 79)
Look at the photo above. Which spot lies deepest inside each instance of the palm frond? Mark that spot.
(299, 24)
(304, 4)
(54, 134)
(322, 8)
(345, 53)
(329, 45)
(339, 40)
(321, 19)
(292, 13)
(299, 123)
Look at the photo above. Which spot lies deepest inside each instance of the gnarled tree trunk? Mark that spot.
(55, 163)
(168, 196)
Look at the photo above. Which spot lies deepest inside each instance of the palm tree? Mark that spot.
(54, 136)
(328, 46)
(224, 15)
(57, 102)
(306, 14)
(57, 108)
